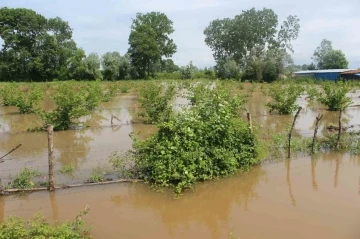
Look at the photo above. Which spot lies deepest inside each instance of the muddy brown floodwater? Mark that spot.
(300, 198)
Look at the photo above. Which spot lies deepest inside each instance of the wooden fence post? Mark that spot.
(318, 118)
(50, 133)
(250, 123)
(340, 130)
(291, 129)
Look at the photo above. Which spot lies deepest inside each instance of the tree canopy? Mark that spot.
(252, 40)
(150, 42)
(35, 48)
(237, 37)
(325, 57)
(115, 66)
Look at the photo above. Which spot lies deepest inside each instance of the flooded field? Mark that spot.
(299, 198)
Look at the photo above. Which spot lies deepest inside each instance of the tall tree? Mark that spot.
(163, 28)
(227, 69)
(35, 48)
(250, 38)
(168, 66)
(92, 66)
(325, 57)
(335, 59)
(149, 41)
(237, 37)
(144, 51)
(115, 66)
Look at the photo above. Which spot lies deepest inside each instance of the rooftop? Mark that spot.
(352, 72)
(324, 71)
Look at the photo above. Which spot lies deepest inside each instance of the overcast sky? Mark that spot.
(102, 26)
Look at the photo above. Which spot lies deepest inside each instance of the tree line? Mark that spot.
(251, 46)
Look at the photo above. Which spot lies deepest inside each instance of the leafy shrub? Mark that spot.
(284, 97)
(155, 102)
(72, 103)
(123, 164)
(335, 95)
(94, 95)
(109, 93)
(96, 176)
(16, 228)
(203, 142)
(125, 88)
(27, 102)
(9, 94)
(24, 179)
(197, 92)
(67, 169)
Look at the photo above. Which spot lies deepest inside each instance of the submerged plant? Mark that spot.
(204, 142)
(9, 93)
(155, 102)
(28, 102)
(335, 96)
(67, 169)
(96, 175)
(124, 88)
(17, 228)
(24, 179)
(109, 93)
(284, 97)
(72, 103)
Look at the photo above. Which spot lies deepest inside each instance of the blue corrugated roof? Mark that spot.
(323, 71)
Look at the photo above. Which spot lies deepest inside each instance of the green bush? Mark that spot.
(284, 97)
(204, 142)
(24, 179)
(109, 92)
(155, 102)
(94, 95)
(96, 176)
(335, 96)
(67, 169)
(39, 228)
(9, 94)
(28, 102)
(73, 102)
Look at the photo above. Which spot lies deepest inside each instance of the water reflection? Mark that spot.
(73, 146)
(210, 205)
(54, 208)
(288, 182)
(313, 174)
(2, 208)
(337, 169)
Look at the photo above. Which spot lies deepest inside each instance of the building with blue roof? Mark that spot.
(333, 74)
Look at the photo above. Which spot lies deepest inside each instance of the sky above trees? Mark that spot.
(103, 26)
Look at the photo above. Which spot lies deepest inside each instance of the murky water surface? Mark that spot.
(301, 198)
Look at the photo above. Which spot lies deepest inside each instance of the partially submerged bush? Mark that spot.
(335, 96)
(9, 93)
(72, 103)
(67, 169)
(24, 179)
(284, 97)
(17, 228)
(28, 102)
(207, 141)
(155, 102)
